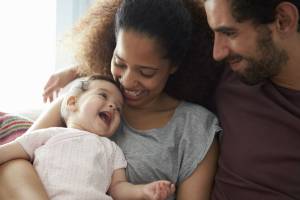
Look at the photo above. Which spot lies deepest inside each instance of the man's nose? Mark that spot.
(221, 49)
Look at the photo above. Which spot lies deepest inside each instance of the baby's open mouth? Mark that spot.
(106, 117)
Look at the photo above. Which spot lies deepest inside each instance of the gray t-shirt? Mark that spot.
(171, 152)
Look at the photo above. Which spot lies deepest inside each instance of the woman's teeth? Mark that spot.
(132, 93)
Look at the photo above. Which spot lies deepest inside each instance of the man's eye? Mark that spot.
(230, 33)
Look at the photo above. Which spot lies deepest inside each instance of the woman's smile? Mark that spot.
(133, 94)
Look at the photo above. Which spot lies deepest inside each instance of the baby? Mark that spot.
(80, 162)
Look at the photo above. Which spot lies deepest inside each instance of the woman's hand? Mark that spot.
(158, 190)
(57, 81)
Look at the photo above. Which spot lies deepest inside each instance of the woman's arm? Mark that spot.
(20, 181)
(50, 117)
(57, 81)
(12, 151)
(199, 185)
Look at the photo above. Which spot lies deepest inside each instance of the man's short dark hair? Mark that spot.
(258, 11)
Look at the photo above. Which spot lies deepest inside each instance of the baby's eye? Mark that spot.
(103, 95)
(118, 109)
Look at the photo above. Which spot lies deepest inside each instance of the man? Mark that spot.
(260, 149)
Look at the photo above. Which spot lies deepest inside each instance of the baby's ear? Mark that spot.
(71, 103)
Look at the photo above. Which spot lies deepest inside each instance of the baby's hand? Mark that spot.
(158, 190)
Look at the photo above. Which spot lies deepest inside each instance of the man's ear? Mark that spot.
(287, 17)
(71, 103)
(173, 69)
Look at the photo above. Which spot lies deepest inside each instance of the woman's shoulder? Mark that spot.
(192, 115)
(192, 109)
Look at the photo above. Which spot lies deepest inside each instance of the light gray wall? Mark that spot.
(67, 13)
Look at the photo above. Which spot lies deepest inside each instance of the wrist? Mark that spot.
(75, 72)
(140, 193)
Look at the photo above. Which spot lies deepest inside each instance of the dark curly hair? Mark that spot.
(167, 21)
(180, 26)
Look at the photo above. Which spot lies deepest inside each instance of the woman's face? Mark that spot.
(138, 63)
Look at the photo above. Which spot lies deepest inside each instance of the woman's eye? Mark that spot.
(120, 65)
(148, 72)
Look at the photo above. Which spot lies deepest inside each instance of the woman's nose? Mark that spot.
(128, 79)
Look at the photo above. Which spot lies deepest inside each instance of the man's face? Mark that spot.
(248, 49)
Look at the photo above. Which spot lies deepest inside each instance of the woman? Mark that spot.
(153, 57)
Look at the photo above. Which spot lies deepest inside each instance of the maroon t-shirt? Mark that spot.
(260, 145)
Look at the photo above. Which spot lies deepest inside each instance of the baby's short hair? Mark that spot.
(81, 86)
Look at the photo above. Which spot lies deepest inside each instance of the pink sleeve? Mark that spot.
(33, 140)
(119, 158)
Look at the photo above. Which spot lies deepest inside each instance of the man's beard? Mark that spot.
(268, 62)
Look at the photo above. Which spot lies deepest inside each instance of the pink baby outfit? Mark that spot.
(73, 164)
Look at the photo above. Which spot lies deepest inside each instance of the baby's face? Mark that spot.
(99, 108)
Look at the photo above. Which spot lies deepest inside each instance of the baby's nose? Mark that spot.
(112, 106)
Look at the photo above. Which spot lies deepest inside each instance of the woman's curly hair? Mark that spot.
(95, 39)
(194, 81)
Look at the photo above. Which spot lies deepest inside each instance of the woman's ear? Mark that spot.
(71, 103)
(287, 17)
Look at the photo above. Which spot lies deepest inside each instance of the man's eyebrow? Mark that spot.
(224, 29)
